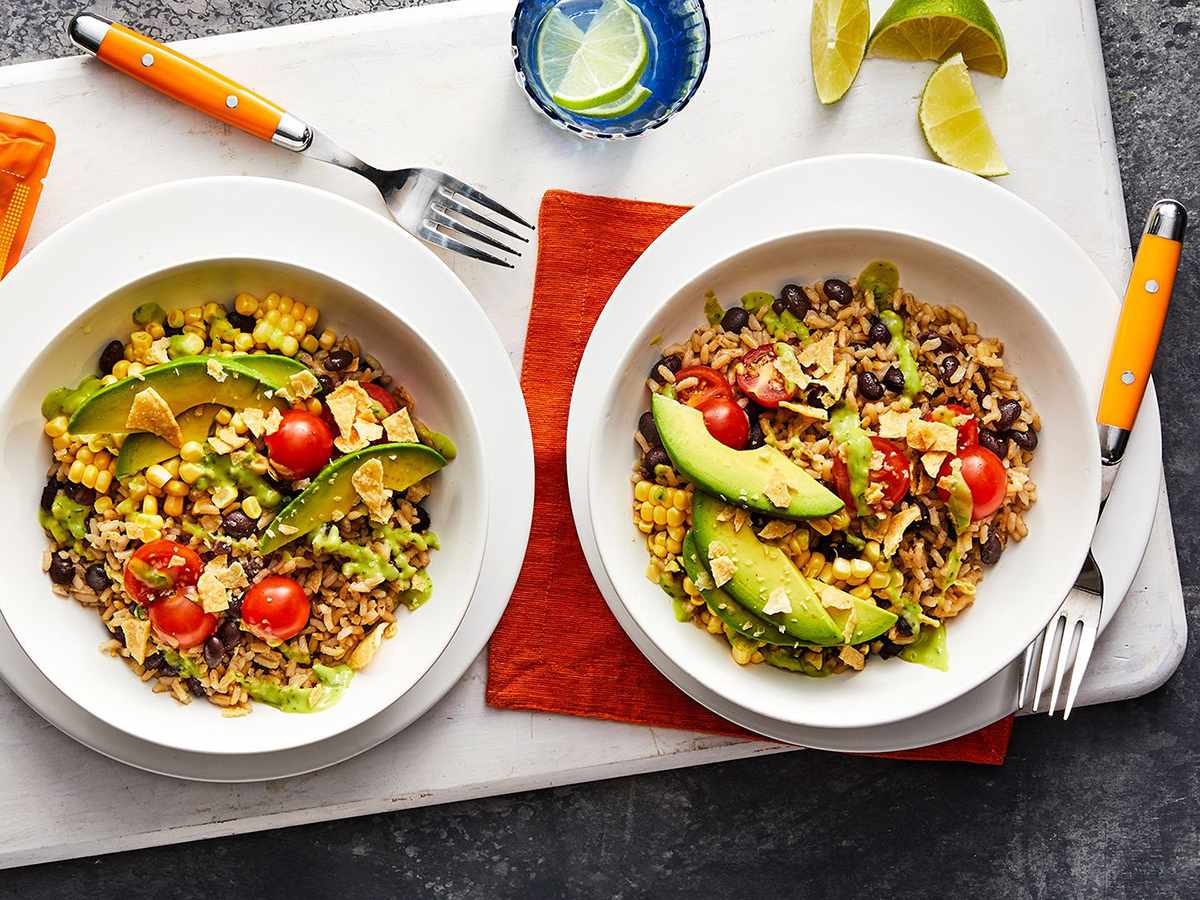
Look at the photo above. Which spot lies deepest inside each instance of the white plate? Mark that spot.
(887, 193)
(368, 255)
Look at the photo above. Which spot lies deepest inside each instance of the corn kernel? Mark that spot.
(239, 425)
(191, 451)
(271, 301)
(137, 488)
(860, 570)
(647, 511)
(309, 344)
(75, 473)
(285, 304)
(89, 476)
(224, 416)
(841, 569)
(821, 526)
(108, 379)
(121, 368)
(674, 546)
(815, 564)
(251, 507)
(103, 460)
(190, 472)
(175, 318)
(173, 506)
(676, 532)
(136, 368)
(150, 505)
(62, 442)
(172, 466)
(193, 315)
(645, 527)
(273, 338)
(714, 625)
(212, 311)
(328, 339)
(826, 574)
(289, 345)
(682, 500)
(84, 454)
(641, 491)
(757, 657)
(872, 552)
(243, 342)
(840, 519)
(658, 550)
(103, 480)
(150, 534)
(246, 304)
(272, 317)
(660, 516)
(223, 495)
(157, 476)
(155, 330)
(897, 578)
(675, 516)
(56, 427)
(314, 406)
(861, 591)
(176, 488)
(285, 323)
(140, 341)
(298, 331)
(879, 580)
(103, 504)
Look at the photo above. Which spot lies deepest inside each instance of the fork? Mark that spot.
(1138, 331)
(429, 204)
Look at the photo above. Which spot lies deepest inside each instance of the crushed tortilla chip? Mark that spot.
(285, 528)
(368, 484)
(924, 436)
(723, 569)
(150, 412)
(255, 421)
(274, 420)
(778, 602)
(226, 440)
(932, 461)
(302, 385)
(136, 632)
(215, 370)
(803, 409)
(776, 528)
(399, 427)
(893, 424)
(852, 658)
(157, 354)
(835, 382)
(365, 651)
(777, 491)
(831, 597)
(740, 518)
(214, 596)
(897, 525)
(344, 403)
(789, 368)
(818, 353)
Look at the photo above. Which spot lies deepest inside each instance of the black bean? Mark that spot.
(997, 443)
(62, 570)
(673, 364)
(893, 380)
(1026, 440)
(237, 524)
(422, 522)
(170, 330)
(982, 376)
(879, 333)
(326, 383)
(869, 386)
(81, 494)
(214, 651)
(229, 633)
(648, 429)
(118, 634)
(194, 685)
(251, 565)
(1010, 411)
(779, 306)
(49, 492)
(655, 458)
(924, 520)
(222, 548)
(113, 353)
(948, 366)
(838, 291)
(902, 626)
(882, 602)
(756, 438)
(339, 359)
(241, 322)
(234, 612)
(96, 577)
(154, 662)
(990, 550)
(945, 344)
(735, 319)
(795, 300)
(815, 396)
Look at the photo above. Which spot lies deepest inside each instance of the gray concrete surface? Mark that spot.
(1103, 806)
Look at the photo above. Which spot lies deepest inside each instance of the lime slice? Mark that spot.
(937, 29)
(622, 106)
(838, 38)
(602, 64)
(953, 121)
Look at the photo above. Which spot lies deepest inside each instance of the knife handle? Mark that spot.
(1142, 315)
(182, 78)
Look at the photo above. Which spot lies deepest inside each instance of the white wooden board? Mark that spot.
(434, 85)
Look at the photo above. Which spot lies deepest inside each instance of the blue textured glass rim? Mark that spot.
(554, 116)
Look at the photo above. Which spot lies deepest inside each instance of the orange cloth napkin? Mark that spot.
(558, 648)
(26, 146)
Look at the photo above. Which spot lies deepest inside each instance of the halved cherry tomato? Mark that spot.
(276, 607)
(726, 421)
(968, 431)
(150, 575)
(984, 474)
(893, 476)
(760, 380)
(382, 396)
(712, 386)
(301, 445)
(181, 621)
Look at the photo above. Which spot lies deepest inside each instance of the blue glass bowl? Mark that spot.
(677, 31)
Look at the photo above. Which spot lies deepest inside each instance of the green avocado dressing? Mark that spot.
(65, 518)
(333, 683)
(712, 308)
(679, 600)
(881, 278)
(236, 470)
(847, 431)
(420, 591)
(361, 562)
(435, 439)
(929, 649)
(960, 503)
(782, 659)
(903, 350)
(778, 325)
(184, 664)
(66, 400)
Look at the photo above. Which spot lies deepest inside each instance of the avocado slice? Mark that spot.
(331, 494)
(960, 501)
(273, 369)
(725, 608)
(869, 620)
(736, 476)
(183, 383)
(142, 449)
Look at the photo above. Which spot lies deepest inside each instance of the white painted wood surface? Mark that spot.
(434, 85)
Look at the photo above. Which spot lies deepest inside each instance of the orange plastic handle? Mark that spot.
(188, 81)
(1138, 330)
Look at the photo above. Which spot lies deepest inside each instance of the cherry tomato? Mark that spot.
(968, 431)
(383, 397)
(302, 444)
(181, 621)
(712, 386)
(150, 576)
(276, 607)
(760, 380)
(893, 476)
(726, 421)
(985, 475)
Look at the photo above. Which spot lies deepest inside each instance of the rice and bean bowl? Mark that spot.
(239, 494)
(826, 471)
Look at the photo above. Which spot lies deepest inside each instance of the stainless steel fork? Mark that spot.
(1138, 331)
(432, 205)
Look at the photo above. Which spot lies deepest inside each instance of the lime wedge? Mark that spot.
(586, 69)
(953, 121)
(838, 38)
(622, 106)
(938, 29)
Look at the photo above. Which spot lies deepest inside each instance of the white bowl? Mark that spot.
(1017, 596)
(61, 637)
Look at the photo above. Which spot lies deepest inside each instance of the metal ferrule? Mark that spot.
(87, 31)
(1113, 441)
(292, 133)
(1167, 219)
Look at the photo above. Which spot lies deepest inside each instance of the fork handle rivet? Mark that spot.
(147, 59)
(231, 101)
(1127, 377)
(1151, 286)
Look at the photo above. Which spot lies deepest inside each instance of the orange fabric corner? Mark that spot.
(26, 146)
(558, 648)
